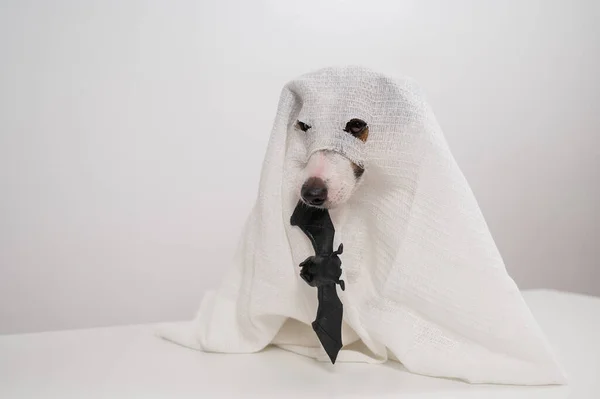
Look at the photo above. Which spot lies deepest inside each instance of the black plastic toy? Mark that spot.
(323, 270)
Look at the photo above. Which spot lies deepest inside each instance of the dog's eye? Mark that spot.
(302, 126)
(355, 126)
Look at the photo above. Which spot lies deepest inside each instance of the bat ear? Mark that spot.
(306, 261)
(339, 250)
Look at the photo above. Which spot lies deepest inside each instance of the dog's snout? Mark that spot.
(314, 191)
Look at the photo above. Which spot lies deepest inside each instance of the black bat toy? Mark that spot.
(323, 270)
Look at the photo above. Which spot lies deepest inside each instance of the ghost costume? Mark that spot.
(425, 283)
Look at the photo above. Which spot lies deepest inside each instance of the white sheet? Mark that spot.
(130, 362)
(425, 282)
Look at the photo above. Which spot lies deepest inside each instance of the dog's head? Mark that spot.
(329, 178)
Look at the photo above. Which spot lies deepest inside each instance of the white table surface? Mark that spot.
(131, 362)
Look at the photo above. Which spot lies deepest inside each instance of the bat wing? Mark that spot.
(328, 323)
(316, 224)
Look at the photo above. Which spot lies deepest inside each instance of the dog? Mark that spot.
(329, 178)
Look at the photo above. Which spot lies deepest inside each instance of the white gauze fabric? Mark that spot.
(425, 283)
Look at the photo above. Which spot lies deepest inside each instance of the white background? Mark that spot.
(132, 135)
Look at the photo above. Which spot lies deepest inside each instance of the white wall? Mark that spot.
(132, 135)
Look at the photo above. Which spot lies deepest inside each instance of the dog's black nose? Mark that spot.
(314, 191)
